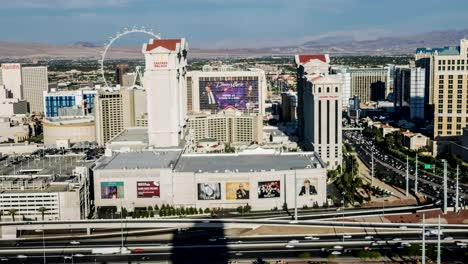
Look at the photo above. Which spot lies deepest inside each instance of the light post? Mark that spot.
(383, 208)
(416, 176)
(43, 242)
(423, 258)
(343, 203)
(407, 176)
(438, 241)
(445, 186)
(456, 191)
(372, 168)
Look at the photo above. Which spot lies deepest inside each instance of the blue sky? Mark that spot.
(226, 23)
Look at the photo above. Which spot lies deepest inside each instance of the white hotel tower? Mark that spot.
(164, 81)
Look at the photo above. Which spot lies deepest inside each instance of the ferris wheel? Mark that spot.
(126, 31)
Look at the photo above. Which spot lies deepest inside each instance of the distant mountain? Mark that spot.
(85, 44)
(391, 45)
(398, 45)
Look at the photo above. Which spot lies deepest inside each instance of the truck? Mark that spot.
(110, 250)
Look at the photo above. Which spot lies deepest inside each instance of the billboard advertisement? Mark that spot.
(148, 189)
(269, 189)
(112, 190)
(237, 190)
(209, 191)
(306, 187)
(220, 95)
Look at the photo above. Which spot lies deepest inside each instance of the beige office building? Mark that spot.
(451, 91)
(35, 83)
(73, 130)
(226, 127)
(135, 111)
(322, 118)
(108, 116)
(370, 84)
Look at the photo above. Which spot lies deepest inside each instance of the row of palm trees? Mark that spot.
(13, 212)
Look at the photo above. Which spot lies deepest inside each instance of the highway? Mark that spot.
(195, 244)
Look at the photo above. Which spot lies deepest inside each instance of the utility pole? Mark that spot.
(295, 197)
(416, 176)
(438, 241)
(456, 191)
(423, 258)
(372, 168)
(445, 187)
(407, 176)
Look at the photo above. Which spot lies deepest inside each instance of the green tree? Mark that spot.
(42, 210)
(200, 211)
(12, 212)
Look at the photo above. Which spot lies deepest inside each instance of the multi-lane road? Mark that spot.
(202, 245)
(429, 184)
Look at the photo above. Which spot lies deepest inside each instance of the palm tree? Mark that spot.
(13, 212)
(42, 210)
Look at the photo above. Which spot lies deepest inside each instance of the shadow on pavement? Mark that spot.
(200, 245)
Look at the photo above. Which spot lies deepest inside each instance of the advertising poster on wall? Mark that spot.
(148, 189)
(306, 187)
(209, 191)
(220, 95)
(237, 190)
(269, 189)
(112, 190)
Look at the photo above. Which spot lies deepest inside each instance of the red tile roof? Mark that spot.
(169, 44)
(306, 58)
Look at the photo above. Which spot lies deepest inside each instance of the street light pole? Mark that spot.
(445, 186)
(43, 243)
(372, 172)
(456, 191)
(416, 176)
(343, 202)
(407, 176)
(438, 241)
(295, 197)
(423, 258)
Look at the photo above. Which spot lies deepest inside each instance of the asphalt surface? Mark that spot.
(429, 184)
(210, 246)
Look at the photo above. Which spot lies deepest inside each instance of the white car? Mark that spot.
(74, 242)
(347, 236)
(369, 237)
(434, 232)
(448, 238)
(396, 239)
(289, 246)
(294, 241)
(338, 247)
(312, 238)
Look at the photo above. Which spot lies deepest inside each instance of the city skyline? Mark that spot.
(233, 24)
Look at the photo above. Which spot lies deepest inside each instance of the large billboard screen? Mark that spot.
(209, 191)
(112, 190)
(220, 95)
(148, 189)
(307, 187)
(237, 190)
(269, 189)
